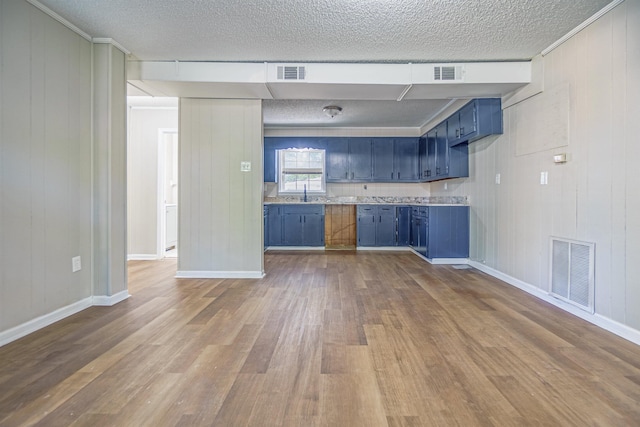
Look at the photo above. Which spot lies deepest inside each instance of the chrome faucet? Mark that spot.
(305, 192)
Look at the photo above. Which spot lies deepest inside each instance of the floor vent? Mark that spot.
(289, 72)
(447, 73)
(572, 272)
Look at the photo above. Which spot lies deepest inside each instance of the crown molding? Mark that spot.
(582, 26)
(59, 18)
(75, 29)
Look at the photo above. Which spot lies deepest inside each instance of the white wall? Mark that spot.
(588, 109)
(45, 164)
(145, 121)
(51, 205)
(220, 231)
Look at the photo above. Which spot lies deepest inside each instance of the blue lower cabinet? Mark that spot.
(303, 225)
(274, 226)
(378, 226)
(419, 229)
(448, 232)
(440, 231)
(403, 221)
(386, 227)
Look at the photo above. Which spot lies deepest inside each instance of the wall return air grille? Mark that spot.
(572, 272)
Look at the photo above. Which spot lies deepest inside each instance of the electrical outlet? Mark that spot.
(76, 264)
(497, 178)
(245, 166)
(445, 186)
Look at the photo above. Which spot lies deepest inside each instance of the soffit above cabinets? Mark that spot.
(338, 81)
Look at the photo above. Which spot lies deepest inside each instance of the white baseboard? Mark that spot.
(142, 257)
(605, 323)
(201, 274)
(40, 322)
(104, 300)
(441, 261)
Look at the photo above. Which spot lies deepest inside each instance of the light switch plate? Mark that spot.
(245, 166)
(76, 264)
(544, 178)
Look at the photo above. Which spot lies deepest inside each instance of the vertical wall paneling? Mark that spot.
(592, 197)
(631, 156)
(220, 219)
(45, 165)
(619, 172)
(109, 171)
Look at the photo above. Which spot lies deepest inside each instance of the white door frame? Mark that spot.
(162, 214)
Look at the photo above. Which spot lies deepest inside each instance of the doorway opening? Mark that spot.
(168, 193)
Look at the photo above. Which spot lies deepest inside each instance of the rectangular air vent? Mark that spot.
(290, 72)
(572, 272)
(447, 73)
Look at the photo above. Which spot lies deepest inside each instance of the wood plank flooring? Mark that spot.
(326, 339)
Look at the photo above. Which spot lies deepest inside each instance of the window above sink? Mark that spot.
(301, 170)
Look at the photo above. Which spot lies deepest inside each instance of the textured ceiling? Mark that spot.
(332, 31)
(287, 113)
(329, 30)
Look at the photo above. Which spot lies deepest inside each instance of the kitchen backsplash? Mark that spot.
(420, 190)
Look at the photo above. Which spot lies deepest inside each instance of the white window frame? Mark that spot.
(282, 171)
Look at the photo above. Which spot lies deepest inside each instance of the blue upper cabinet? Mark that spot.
(337, 160)
(441, 152)
(477, 119)
(360, 159)
(405, 158)
(349, 160)
(383, 159)
(395, 159)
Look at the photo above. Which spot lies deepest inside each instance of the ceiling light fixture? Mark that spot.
(332, 110)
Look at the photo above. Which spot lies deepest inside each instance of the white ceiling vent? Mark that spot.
(572, 272)
(290, 72)
(448, 73)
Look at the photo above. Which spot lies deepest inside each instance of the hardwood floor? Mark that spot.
(326, 339)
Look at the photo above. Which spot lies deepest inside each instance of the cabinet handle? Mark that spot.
(346, 175)
(391, 175)
(457, 133)
(398, 175)
(437, 170)
(352, 175)
(380, 220)
(300, 218)
(462, 131)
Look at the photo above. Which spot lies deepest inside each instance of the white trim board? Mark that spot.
(43, 321)
(203, 274)
(142, 257)
(605, 323)
(109, 300)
